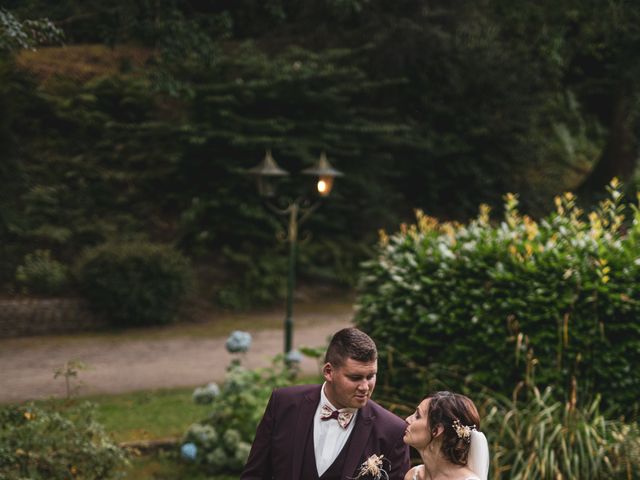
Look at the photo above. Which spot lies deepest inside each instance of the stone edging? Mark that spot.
(42, 316)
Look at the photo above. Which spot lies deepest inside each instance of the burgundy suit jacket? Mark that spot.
(278, 449)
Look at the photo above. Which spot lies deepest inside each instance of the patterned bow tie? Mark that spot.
(343, 418)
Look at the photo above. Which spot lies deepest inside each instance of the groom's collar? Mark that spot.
(315, 394)
(324, 399)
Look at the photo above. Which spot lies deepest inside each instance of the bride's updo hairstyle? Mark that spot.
(458, 415)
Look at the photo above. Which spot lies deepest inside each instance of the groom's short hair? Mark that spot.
(350, 343)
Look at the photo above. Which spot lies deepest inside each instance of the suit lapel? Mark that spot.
(359, 437)
(304, 427)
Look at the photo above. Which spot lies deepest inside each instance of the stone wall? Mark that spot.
(24, 317)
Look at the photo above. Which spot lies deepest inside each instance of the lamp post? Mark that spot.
(295, 213)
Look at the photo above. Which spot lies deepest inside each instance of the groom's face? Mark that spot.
(350, 384)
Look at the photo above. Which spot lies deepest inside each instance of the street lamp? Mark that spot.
(266, 173)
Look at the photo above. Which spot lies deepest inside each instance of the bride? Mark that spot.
(444, 430)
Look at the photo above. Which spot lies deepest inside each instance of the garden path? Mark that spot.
(183, 355)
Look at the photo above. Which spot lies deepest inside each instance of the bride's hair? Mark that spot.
(458, 415)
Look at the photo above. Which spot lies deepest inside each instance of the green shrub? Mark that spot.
(41, 274)
(542, 438)
(135, 283)
(223, 440)
(38, 443)
(473, 298)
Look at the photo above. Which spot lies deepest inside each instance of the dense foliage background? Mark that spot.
(139, 127)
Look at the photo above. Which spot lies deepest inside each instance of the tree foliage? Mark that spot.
(440, 106)
(16, 35)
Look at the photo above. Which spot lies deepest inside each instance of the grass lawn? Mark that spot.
(149, 415)
(167, 466)
(144, 415)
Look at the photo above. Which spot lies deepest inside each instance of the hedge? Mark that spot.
(550, 302)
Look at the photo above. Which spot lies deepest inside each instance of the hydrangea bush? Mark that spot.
(221, 443)
(476, 300)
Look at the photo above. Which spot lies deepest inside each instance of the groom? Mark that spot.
(326, 432)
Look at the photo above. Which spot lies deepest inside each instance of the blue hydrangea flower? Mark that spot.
(293, 356)
(238, 341)
(188, 451)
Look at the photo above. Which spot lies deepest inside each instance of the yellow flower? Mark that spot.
(425, 222)
(483, 216)
(450, 231)
(530, 226)
(528, 248)
(29, 415)
(383, 237)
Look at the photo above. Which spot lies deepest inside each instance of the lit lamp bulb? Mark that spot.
(324, 174)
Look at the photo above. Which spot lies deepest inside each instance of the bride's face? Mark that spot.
(418, 434)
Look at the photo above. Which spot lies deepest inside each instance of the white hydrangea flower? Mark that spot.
(238, 341)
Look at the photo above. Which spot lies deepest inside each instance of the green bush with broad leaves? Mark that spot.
(540, 437)
(478, 298)
(41, 274)
(136, 283)
(221, 443)
(43, 444)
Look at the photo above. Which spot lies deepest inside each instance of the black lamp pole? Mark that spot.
(296, 213)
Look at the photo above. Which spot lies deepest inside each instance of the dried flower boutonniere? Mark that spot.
(373, 467)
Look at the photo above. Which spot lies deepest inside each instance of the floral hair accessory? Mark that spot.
(463, 431)
(372, 467)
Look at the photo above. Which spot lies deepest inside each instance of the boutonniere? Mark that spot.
(373, 467)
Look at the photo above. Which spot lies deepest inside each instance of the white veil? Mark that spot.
(478, 460)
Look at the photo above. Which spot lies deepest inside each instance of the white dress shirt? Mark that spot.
(328, 436)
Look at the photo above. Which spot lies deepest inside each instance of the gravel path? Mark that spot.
(121, 363)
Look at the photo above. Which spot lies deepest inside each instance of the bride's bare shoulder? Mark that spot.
(413, 473)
